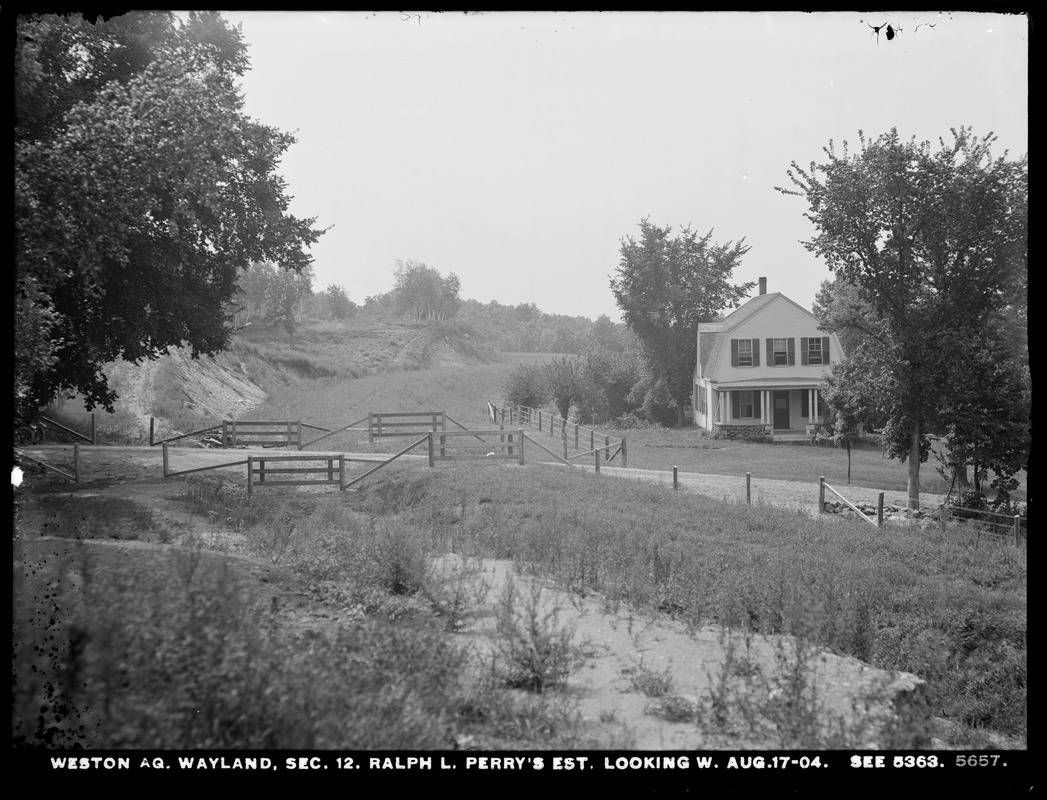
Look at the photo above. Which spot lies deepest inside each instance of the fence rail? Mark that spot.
(167, 473)
(74, 476)
(451, 447)
(822, 486)
(350, 427)
(570, 433)
(260, 467)
(394, 423)
(89, 439)
(264, 434)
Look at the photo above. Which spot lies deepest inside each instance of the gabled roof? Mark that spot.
(711, 348)
(755, 305)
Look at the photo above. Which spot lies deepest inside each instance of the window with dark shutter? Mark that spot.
(745, 353)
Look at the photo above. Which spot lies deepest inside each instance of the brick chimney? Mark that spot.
(763, 286)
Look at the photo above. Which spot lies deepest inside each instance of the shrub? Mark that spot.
(526, 385)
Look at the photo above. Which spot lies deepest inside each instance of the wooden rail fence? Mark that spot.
(570, 433)
(404, 423)
(261, 434)
(260, 470)
(246, 433)
(470, 445)
(822, 486)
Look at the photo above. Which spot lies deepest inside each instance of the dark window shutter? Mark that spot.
(825, 349)
(770, 352)
(805, 406)
(803, 351)
(756, 352)
(734, 405)
(792, 352)
(734, 352)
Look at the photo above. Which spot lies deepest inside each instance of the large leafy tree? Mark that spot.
(665, 285)
(141, 192)
(986, 426)
(935, 243)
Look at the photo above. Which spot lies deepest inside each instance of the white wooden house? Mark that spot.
(762, 366)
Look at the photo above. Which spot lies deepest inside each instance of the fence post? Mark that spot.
(225, 432)
(520, 432)
(539, 420)
(676, 479)
(443, 441)
(432, 453)
(821, 495)
(341, 472)
(596, 454)
(1017, 530)
(592, 439)
(748, 488)
(563, 429)
(370, 428)
(250, 474)
(607, 447)
(576, 436)
(76, 463)
(164, 446)
(879, 511)
(151, 422)
(625, 457)
(299, 434)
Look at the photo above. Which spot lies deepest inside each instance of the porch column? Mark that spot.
(813, 408)
(765, 406)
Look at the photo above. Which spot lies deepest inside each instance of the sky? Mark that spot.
(518, 149)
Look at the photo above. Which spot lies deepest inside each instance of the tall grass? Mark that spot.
(188, 649)
(945, 606)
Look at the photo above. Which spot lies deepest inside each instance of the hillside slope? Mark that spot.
(177, 389)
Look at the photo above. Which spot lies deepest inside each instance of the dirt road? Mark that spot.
(137, 462)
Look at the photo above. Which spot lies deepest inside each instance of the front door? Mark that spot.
(781, 410)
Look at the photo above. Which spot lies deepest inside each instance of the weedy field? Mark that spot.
(309, 619)
(325, 625)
